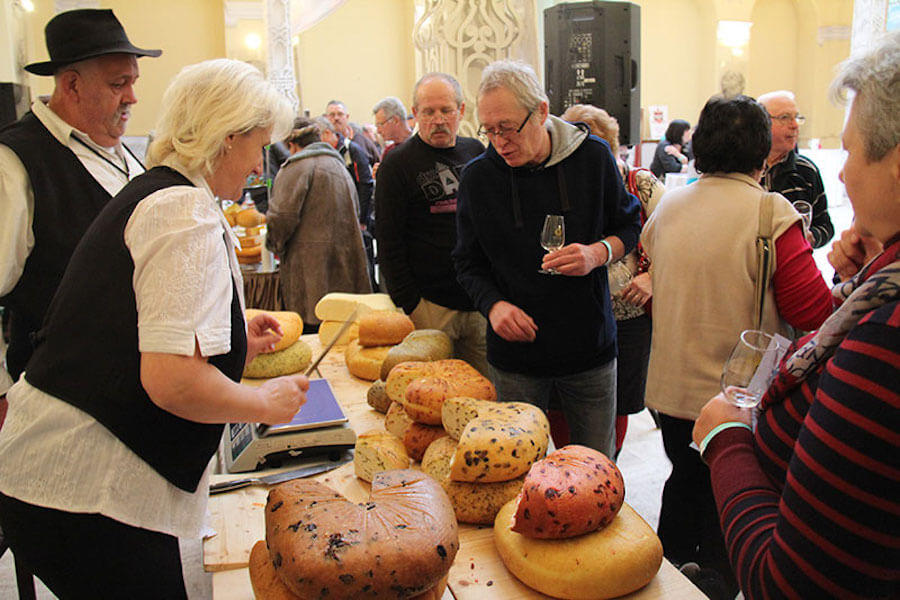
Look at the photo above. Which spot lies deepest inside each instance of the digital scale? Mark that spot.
(319, 430)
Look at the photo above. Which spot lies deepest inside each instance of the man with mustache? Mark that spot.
(789, 173)
(415, 204)
(62, 162)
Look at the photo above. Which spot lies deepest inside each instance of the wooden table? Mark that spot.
(476, 574)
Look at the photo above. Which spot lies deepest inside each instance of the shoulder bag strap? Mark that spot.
(765, 251)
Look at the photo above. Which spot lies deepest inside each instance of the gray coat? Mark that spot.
(312, 226)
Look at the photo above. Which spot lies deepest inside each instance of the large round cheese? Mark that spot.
(398, 544)
(616, 560)
(290, 322)
(292, 359)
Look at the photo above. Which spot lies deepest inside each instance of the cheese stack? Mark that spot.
(379, 331)
(336, 307)
(289, 355)
(567, 519)
(489, 449)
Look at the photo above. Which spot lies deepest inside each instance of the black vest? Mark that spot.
(66, 200)
(87, 352)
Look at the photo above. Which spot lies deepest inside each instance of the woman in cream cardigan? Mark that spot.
(701, 243)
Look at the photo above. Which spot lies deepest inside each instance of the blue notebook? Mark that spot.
(321, 410)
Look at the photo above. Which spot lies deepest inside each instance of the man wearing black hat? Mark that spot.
(62, 162)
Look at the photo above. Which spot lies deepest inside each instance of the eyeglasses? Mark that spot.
(385, 122)
(788, 119)
(504, 132)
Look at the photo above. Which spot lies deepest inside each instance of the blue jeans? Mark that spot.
(587, 399)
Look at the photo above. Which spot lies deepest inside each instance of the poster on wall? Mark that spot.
(659, 120)
(892, 22)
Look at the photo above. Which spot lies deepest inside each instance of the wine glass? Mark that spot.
(805, 209)
(740, 383)
(553, 237)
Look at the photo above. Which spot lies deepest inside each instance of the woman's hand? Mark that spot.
(851, 251)
(717, 411)
(282, 397)
(639, 291)
(263, 331)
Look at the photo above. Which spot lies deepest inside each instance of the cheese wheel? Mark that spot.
(575, 490)
(292, 359)
(419, 345)
(329, 329)
(290, 322)
(250, 217)
(384, 328)
(377, 451)
(268, 586)
(607, 563)
(338, 306)
(462, 379)
(364, 363)
(377, 398)
(476, 503)
(416, 436)
(398, 544)
(498, 441)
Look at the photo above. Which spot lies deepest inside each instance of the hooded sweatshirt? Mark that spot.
(500, 215)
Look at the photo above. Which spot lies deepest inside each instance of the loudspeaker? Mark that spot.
(15, 101)
(592, 53)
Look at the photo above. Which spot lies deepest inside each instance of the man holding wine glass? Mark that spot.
(551, 325)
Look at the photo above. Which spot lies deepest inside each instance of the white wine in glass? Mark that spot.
(741, 366)
(553, 237)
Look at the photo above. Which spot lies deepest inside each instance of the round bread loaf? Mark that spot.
(463, 379)
(292, 359)
(608, 563)
(376, 451)
(421, 345)
(476, 503)
(384, 328)
(575, 490)
(397, 545)
(498, 441)
(364, 363)
(268, 586)
(416, 437)
(290, 322)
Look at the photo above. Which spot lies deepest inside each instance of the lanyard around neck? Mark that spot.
(126, 171)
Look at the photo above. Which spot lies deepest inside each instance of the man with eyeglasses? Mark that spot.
(789, 173)
(390, 121)
(62, 162)
(415, 201)
(336, 112)
(549, 334)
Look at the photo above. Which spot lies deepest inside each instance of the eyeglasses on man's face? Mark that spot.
(504, 131)
(788, 119)
(384, 122)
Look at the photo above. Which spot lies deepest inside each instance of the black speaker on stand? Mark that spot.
(15, 100)
(592, 53)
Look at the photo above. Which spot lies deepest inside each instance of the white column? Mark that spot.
(461, 37)
(280, 55)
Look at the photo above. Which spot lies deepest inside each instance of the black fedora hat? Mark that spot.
(80, 34)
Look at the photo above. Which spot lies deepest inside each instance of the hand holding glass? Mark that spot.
(805, 209)
(741, 367)
(553, 237)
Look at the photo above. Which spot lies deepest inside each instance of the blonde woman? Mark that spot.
(629, 277)
(110, 433)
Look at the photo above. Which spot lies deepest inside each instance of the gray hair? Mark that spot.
(764, 99)
(875, 78)
(448, 79)
(517, 77)
(392, 107)
(207, 102)
(323, 123)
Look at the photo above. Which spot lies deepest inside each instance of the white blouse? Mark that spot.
(58, 456)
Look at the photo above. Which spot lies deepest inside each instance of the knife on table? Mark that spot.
(308, 471)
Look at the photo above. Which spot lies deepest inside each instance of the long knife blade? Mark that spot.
(350, 320)
(308, 471)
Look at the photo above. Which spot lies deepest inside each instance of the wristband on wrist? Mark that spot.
(718, 429)
(608, 252)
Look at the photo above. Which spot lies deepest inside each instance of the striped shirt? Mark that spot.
(810, 506)
(798, 178)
